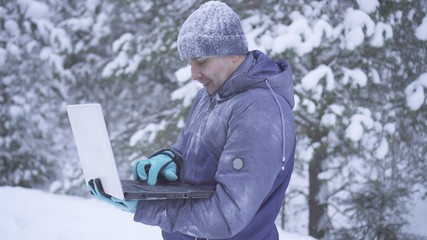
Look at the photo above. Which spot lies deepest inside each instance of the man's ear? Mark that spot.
(238, 59)
(235, 58)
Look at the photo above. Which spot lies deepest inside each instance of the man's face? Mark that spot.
(212, 72)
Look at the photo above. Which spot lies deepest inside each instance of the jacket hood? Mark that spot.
(254, 72)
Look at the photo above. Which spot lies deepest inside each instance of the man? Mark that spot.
(239, 137)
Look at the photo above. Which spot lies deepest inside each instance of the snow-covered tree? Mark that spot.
(356, 123)
(360, 70)
(27, 149)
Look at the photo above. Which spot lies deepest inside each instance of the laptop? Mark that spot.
(97, 161)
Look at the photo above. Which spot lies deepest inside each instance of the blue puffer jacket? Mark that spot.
(234, 141)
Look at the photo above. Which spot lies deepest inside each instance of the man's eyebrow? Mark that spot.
(199, 60)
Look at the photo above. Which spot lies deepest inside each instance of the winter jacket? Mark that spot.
(234, 141)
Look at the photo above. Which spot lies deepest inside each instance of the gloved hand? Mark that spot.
(161, 162)
(96, 190)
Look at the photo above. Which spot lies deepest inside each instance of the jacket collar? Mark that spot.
(228, 89)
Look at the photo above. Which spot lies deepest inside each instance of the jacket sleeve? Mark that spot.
(255, 140)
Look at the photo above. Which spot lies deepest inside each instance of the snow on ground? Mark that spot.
(33, 214)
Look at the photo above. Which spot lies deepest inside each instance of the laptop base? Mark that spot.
(142, 191)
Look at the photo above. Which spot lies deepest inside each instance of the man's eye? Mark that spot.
(202, 61)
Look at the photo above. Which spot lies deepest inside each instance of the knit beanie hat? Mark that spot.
(212, 30)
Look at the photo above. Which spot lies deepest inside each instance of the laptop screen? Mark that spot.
(93, 146)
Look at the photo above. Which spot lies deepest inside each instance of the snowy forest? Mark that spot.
(360, 81)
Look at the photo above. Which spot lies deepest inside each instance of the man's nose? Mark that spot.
(195, 73)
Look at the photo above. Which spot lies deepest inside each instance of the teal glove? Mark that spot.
(96, 190)
(161, 162)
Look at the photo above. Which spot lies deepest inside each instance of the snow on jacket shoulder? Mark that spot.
(233, 141)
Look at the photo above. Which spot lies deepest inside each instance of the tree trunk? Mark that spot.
(318, 224)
